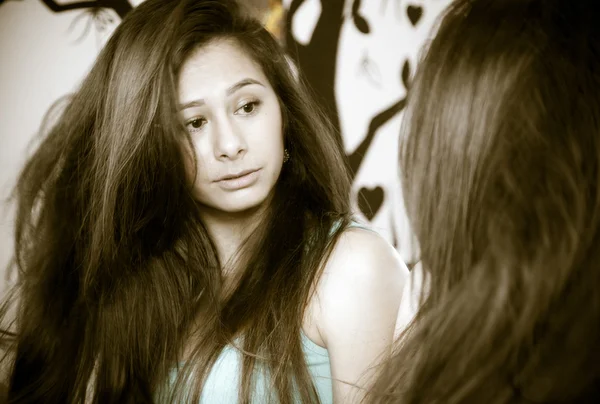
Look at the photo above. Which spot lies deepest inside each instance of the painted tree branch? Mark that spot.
(357, 157)
(121, 7)
(290, 41)
(318, 59)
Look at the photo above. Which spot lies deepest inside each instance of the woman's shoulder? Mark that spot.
(364, 272)
(358, 295)
(360, 249)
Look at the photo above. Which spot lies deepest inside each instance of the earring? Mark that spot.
(286, 155)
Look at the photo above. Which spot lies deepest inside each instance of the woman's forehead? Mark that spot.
(216, 67)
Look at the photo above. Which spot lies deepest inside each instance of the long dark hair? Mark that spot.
(500, 168)
(115, 264)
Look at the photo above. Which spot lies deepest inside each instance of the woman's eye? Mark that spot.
(249, 107)
(195, 124)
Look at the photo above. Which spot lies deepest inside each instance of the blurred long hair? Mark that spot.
(500, 162)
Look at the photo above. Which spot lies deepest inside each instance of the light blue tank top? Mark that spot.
(223, 381)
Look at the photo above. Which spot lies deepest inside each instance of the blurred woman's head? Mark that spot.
(500, 163)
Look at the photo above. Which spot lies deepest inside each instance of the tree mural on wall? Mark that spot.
(369, 201)
(97, 13)
(318, 61)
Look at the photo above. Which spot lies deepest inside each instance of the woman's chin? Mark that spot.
(238, 205)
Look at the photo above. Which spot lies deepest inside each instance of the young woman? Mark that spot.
(184, 231)
(501, 172)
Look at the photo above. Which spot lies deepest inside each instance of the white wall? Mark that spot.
(41, 61)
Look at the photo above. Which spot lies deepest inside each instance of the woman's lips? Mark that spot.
(232, 182)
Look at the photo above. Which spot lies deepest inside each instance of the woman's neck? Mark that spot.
(229, 231)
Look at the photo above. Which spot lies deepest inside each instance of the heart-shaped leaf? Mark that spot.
(370, 201)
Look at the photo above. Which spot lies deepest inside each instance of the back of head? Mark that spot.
(501, 167)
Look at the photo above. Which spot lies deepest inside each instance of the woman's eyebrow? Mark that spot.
(237, 86)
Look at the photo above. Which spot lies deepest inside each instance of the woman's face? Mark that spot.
(234, 119)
